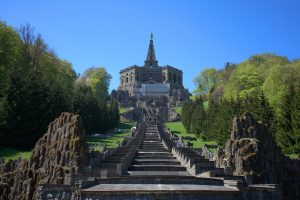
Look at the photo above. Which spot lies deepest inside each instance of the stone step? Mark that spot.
(159, 173)
(153, 149)
(155, 157)
(201, 170)
(169, 179)
(152, 142)
(159, 143)
(144, 153)
(155, 162)
(215, 191)
(205, 164)
(199, 158)
(152, 139)
(152, 145)
(157, 168)
(151, 154)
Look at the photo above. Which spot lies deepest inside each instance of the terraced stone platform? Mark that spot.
(153, 158)
(156, 172)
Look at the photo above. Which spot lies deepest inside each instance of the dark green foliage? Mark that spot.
(215, 123)
(28, 107)
(97, 115)
(115, 116)
(186, 116)
(288, 132)
(198, 118)
(86, 105)
(36, 86)
(260, 85)
(219, 119)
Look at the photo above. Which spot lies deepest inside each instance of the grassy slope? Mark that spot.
(178, 128)
(122, 109)
(113, 141)
(178, 110)
(293, 155)
(13, 154)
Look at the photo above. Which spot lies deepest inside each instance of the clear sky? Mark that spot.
(190, 35)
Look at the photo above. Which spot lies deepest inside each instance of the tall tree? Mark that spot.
(205, 82)
(26, 111)
(198, 118)
(98, 79)
(187, 111)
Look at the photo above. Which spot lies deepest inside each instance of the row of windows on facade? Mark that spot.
(174, 78)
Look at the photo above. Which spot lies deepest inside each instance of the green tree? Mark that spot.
(98, 79)
(115, 116)
(285, 129)
(205, 82)
(27, 110)
(220, 115)
(245, 80)
(10, 55)
(35, 86)
(198, 118)
(187, 111)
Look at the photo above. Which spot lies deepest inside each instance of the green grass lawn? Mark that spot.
(178, 129)
(205, 104)
(292, 155)
(113, 141)
(178, 110)
(13, 154)
(122, 109)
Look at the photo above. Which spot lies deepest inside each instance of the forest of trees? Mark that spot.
(266, 85)
(36, 86)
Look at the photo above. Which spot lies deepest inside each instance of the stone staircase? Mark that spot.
(153, 167)
(152, 158)
(150, 167)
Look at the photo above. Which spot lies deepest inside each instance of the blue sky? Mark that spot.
(190, 35)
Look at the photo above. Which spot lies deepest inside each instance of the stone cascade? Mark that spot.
(58, 155)
(196, 164)
(153, 158)
(159, 169)
(117, 163)
(251, 151)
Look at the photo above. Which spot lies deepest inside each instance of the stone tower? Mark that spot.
(151, 58)
(151, 80)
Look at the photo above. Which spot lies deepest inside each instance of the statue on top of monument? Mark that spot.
(151, 36)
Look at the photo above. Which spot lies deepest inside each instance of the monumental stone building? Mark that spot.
(151, 80)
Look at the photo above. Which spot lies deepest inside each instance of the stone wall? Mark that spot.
(173, 76)
(150, 108)
(252, 151)
(56, 157)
